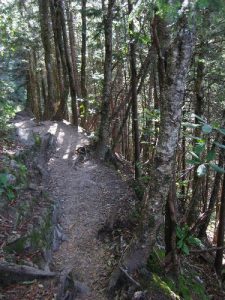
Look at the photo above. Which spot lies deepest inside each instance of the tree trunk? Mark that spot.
(73, 92)
(220, 235)
(212, 201)
(140, 77)
(49, 108)
(170, 229)
(62, 111)
(135, 127)
(34, 88)
(172, 77)
(197, 184)
(83, 63)
(103, 141)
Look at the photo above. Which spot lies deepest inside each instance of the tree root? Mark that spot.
(11, 273)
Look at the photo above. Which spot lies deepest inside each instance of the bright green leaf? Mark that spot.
(185, 249)
(180, 244)
(194, 241)
(179, 232)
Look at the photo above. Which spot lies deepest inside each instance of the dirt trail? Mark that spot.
(90, 194)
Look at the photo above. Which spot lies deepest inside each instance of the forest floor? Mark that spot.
(91, 196)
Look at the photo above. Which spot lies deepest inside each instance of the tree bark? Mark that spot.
(34, 87)
(172, 77)
(197, 184)
(220, 235)
(170, 224)
(73, 92)
(103, 136)
(62, 111)
(49, 108)
(83, 63)
(135, 127)
(11, 273)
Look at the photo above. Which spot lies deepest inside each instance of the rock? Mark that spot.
(33, 186)
(139, 295)
(25, 135)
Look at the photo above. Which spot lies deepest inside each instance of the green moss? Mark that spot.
(37, 140)
(163, 286)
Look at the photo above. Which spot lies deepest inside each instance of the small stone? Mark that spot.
(33, 186)
(139, 295)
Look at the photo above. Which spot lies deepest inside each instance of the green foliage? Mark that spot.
(202, 158)
(163, 286)
(213, 5)
(185, 239)
(6, 187)
(154, 261)
(189, 286)
(186, 286)
(9, 185)
(22, 173)
(7, 111)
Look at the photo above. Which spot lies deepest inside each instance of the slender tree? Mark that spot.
(73, 92)
(84, 63)
(46, 36)
(135, 127)
(104, 127)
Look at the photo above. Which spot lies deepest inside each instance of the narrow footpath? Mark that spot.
(90, 195)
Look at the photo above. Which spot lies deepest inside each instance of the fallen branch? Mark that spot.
(131, 278)
(11, 273)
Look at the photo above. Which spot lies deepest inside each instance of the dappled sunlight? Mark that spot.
(53, 128)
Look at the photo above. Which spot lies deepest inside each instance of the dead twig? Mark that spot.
(129, 277)
(207, 250)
